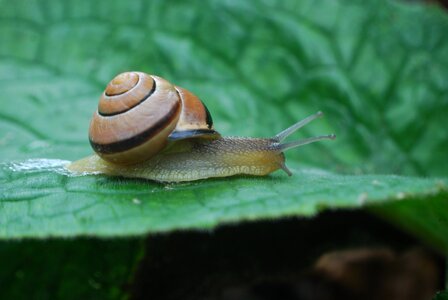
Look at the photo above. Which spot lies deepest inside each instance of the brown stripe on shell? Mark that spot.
(122, 83)
(195, 119)
(124, 92)
(110, 135)
(138, 139)
(208, 118)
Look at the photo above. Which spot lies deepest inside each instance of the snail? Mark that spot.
(146, 127)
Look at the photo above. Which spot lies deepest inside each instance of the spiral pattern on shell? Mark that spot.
(138, 113)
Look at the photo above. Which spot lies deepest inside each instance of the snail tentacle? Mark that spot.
(294, 144)
(290, 130)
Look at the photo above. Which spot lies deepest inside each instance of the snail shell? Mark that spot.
(139, 113)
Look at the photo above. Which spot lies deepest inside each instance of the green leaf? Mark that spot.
(67, 269)
(377, 69)
(41, 202)
(441, 296)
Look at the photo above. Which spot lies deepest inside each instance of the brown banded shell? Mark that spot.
(138, 113)
(195, 119)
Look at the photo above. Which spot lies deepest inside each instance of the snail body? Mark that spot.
(165, 133)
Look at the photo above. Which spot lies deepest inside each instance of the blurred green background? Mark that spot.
(376, 68)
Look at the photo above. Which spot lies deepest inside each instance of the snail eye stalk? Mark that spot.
(298, 143)
(290, 130)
